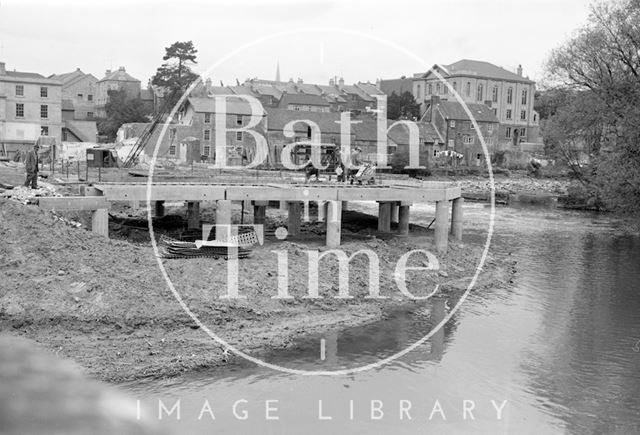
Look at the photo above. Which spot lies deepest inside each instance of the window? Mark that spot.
(89, 97)
(494, 95)
(445, 89)
(430, 89)
(455, 86)
(523, 115)
(523, 132)
(19, 90)
(435, 153)
(44, 111)
(44, 131)
(480, 92)
(90, 115)
(524, 96)
(207, 135)
(308, 132)
(471, 126)
(507, 133)
(452, 123)
(468, 140)
(509, 95)
(508, 113)
(172, 149)
(478, 156)
(19, 110)
(81, 96)
(206, 150)
(238, 136)
(468, 90)
(419, 91)
(44, 92)
(495, 111)
(490, 128)
(172, 133)
(535, 117)
(207, 118)
(239, 120)
(437, 88)
(450, 143)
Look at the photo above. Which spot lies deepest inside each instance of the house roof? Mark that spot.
(70, 77)
(235, 106)
(331, 93)
(400, 133)
(328, 122)
(370, 88)
(354, 90)
(25, 75)
(399, 86)
(119, 75)
(306, 88)
(454, 110)
(303, 99)
(477, 68)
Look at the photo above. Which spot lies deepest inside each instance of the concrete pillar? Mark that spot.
(395, 210)
(100, 222)
(384, 217)
(441, 226)
(259, 212)
(305, 211)
(223, 219)
(159, 209)
(293, 226)
(135, 205)
(457, 218)
(403, 220)
(322, 210)
(283, 205)
(193, 215)
(334, 223)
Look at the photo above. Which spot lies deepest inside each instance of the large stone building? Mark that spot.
(115, 80)
(81, 89)
(509, 95)
(30, 107)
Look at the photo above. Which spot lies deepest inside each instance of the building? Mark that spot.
(509, 95)
(81, 89)
(30, 107)
(74, 129)
(458, 133)
(304, 103)
(115, 80)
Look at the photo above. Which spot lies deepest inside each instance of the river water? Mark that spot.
(558, 352)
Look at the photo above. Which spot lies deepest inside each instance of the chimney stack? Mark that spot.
(207, 84)
(300, 81)
(3, 69)
(121, 68)
(332, 81)
(519, 71)
(107, 72)
(435, 100)
(341, 81)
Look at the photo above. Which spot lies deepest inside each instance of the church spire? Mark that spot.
(278, 72)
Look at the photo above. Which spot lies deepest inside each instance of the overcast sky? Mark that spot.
(59, 36)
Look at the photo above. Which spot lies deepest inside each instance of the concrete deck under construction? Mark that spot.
(394, 203)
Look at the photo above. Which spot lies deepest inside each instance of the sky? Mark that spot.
(238, 39)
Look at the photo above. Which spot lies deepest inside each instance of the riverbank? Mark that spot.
(104, 303)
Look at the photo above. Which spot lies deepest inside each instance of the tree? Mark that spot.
(121, 110)
(601, 67)
(402, 106)
(175, 75)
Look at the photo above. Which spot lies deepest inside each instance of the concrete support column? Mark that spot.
(159, 209)
(395, 210)
(135, 205)
(293, 226)
(100, 222)
(223, 219)
(305, 212)
(334, 223)
(441, 226)
(457, 218)
(193, 215)
(322, 210)
(403, 219)
(259, 212)
(384, 217)
(283, 205)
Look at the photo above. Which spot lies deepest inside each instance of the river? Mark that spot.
(557, 353)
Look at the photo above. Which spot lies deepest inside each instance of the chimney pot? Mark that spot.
(3, 70)
(341, 81)
(121, 68)
(520, 70)
(107, 72)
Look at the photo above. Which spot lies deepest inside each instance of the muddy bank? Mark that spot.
(104, 303)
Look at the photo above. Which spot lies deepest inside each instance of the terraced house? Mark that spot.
(30, 107)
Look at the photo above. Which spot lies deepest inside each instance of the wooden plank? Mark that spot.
(74, 203)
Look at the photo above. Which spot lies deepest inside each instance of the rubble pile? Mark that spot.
(515, 185)
(26, 195)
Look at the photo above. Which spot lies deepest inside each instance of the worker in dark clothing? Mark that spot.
(31, 164)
